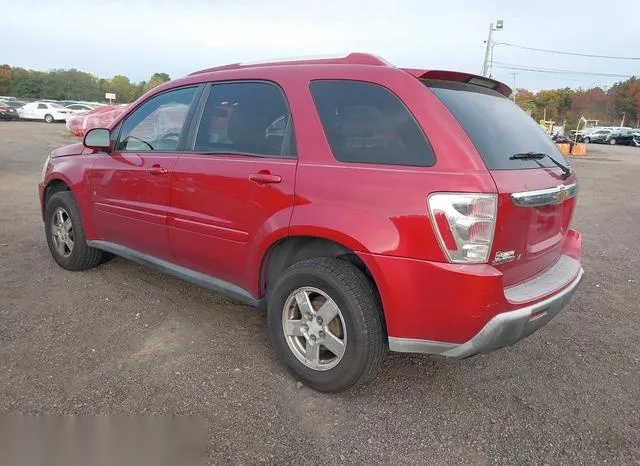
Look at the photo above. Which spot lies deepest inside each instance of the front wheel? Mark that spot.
(325, 323)
(48, 118)
(586, 140)
(612, 141)
(65, 234)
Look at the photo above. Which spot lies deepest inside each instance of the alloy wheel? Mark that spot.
(314, 328)
(62, 232)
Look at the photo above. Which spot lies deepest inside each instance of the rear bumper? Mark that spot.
(460, 310)
(502, 330)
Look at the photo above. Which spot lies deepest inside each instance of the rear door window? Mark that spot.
(496, 125)
(366, 123)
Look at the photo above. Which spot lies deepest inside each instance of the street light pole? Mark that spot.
(489, 50)
(514, 85)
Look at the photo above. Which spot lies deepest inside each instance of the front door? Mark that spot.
(235, 184)
(130, 185)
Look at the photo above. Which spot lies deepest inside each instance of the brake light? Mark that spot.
(3, 110)
(464, 224)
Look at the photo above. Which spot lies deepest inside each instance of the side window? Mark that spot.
(366, 123)
(157, 124)
(244, 118)
(42, 106)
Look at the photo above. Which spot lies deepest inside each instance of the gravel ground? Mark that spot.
(124, 339)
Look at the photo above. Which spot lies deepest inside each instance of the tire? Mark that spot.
(586, 140)
(612, 141)
(359, 316)
(78, 256)
(48, 118)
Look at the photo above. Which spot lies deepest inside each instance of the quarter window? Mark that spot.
(157, 124)
(366, 123)
(245, 118)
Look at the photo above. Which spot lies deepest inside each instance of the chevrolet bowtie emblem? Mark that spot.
(561, 195)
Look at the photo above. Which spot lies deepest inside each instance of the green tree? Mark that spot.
(156, 79)
(122, 88)
(526, 100)
(5, 79)
(626, 99)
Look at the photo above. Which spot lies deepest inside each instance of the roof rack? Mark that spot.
(355, 58)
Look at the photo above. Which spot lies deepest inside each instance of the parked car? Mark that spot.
(12, 103)
(597, 136)
(8, 113)
(386, 217)
(626, 137)
(75, 109)
(47, 111)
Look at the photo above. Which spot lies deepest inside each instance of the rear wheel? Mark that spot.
(48, 118)
(587, 140)
(65, 234)
(612, 141)
(325, 324)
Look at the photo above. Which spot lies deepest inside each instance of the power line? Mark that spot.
(511, 66)
(567, 53)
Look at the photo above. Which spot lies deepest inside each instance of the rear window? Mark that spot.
(496, 125)
(366, 123)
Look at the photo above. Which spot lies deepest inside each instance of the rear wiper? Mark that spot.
(566, 171)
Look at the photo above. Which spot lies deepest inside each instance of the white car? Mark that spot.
(74, 109)
(47, 111)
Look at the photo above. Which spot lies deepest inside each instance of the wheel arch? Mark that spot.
(292, 249)
(58, 182)
(54, 185)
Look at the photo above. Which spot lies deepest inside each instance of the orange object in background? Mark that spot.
(563, 148)
(579, 149)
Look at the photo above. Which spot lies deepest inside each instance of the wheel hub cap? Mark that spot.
(314, 328)
(62, 232)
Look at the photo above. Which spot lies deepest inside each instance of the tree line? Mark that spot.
(609, 106)
(72, 84)
(560, 105)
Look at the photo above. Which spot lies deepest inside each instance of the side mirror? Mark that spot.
(97, 138)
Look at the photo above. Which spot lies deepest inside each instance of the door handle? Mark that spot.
(264, 177)
(157, 170)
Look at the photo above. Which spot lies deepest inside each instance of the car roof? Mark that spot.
(355, 65)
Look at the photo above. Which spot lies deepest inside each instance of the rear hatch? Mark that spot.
(535, 199)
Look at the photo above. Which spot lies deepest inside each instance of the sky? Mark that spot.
(139, 37)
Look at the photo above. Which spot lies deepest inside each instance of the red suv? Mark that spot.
(362, 205)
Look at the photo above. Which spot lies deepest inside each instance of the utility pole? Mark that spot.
(514, 85)
(624, 114)
(489, 50)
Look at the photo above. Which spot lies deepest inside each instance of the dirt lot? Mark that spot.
(125, 339)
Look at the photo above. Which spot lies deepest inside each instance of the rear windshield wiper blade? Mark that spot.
(541, 155)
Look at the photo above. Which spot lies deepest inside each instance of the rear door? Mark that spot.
(40, 111)
(130, 185)
(234, 186)
(536, 201)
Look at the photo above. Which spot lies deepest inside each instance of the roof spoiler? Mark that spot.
(444, 75)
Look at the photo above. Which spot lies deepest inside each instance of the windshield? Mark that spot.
(496, 125)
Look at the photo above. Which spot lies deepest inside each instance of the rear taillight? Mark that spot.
(464, 224)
